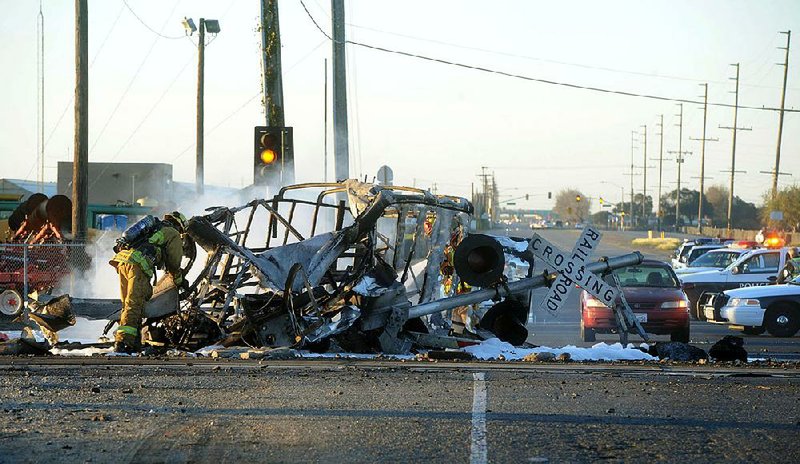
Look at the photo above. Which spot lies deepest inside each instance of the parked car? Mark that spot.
(681, 252)
(719, 258)
(653, 292)
(774, 308)
(758, 267)
(695, 252)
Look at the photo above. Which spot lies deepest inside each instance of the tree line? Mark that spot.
(745, 215)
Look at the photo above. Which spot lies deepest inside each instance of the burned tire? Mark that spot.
(680, 335)
(10, 303)
(750, 330)
(587, 334)
(782, 320)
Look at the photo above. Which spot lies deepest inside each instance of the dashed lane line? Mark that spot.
(478, 450)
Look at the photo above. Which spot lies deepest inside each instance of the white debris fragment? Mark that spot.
(82, 351)
(207, 350)
(84, 331)
(507, 242)
(494, 348)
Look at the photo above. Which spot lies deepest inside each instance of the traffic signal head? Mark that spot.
(527, 196)
(577, 198)
(271, 154)
(549, 195)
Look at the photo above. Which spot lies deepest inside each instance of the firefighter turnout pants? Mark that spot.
(135, 291)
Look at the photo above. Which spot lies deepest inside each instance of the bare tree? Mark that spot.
(572, 205)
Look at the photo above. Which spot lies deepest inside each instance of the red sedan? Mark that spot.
(654, 294)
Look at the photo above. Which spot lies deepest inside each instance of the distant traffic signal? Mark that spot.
(549, 195)
(577, 198)
(273, 159)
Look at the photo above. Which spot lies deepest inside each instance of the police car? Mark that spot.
(756, 268)
(774, 308)
(719, 258)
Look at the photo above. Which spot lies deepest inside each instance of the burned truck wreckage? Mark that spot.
(352, 267)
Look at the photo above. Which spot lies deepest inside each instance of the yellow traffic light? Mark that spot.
(577, 198)
(268, 156)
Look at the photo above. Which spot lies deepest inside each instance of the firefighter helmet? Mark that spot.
(177, 220)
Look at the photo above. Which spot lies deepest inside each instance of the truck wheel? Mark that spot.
(10, 303)
(587, 334)
(680, 335)
(782, 320)
(753, 330)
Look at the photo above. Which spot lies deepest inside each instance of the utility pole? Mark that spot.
(340, 135)
(734, 128)
(325, 128)
(272, 81)
(785, 65)
(660, 168)
(680, 160)
(633, 149)
(201, 57)
(271, 63)
(644, 178)
(80, 163)
(703, 159)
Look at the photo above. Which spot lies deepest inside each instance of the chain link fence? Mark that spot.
(57, 268)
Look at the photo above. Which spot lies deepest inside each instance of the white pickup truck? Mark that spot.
(757, 268)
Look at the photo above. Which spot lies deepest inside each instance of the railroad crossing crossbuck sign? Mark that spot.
(571, 270)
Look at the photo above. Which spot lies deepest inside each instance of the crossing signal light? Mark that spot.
(272, 155)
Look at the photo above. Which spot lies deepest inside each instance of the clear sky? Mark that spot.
(430, 122)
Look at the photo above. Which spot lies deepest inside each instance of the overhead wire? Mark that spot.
(131, 82)
(536, 79)
(247, 102)
(175, 37)
(144, 119)
(91, 64)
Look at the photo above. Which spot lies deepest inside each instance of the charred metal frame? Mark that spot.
(232, 265)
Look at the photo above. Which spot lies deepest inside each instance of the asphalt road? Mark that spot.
(64, 410)
(563, 328)
(123, 410)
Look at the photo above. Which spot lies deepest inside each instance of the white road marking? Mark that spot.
(478, 450)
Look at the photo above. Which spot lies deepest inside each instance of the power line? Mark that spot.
(177, 37)
(132, 81)
(91, 64)
(141, 123)
(535, 79)
(243, 105)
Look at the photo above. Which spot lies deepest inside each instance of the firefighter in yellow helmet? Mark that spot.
(145, 246)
